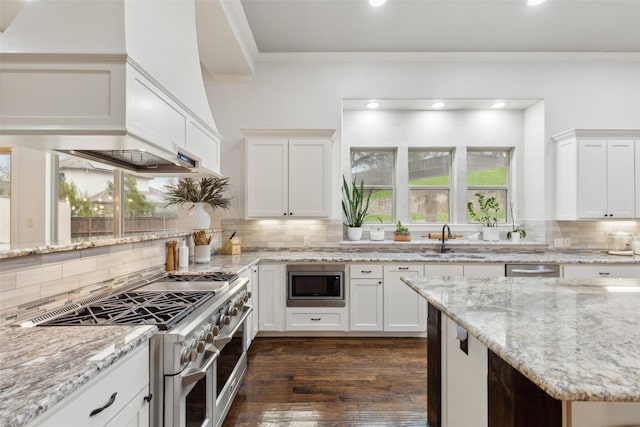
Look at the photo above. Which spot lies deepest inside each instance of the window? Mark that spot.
(86, 201)
(376, 168)
(487, 173)
(429, 186)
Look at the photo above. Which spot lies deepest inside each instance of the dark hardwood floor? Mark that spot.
(307, 382)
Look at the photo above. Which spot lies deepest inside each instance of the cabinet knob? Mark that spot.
(285, 214)
(291, 213)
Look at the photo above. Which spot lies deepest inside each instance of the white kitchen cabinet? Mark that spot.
(366, 297)
(271, 297)
(601, 270)
(251, 274)
(484, 270)
(255, 296)
(404, 310)
(443, 270)
(464, 380)
(596, 175)
(126, 383)
(289, 177)
(317, 319)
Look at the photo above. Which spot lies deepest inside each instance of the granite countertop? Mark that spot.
(577, 339)
(40, 366)
(239, 263)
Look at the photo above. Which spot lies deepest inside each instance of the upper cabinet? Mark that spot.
(596, 174)
(289, 174)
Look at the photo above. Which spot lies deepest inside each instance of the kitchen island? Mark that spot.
(539, 351)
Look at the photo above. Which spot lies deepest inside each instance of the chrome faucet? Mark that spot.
(443, 248)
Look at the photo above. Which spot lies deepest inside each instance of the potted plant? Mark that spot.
(516, 232)
(355, 207)
(487, 214)
(401, 233)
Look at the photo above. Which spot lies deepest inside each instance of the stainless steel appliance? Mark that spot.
(532, 270)
(319, 287)
(198, 358)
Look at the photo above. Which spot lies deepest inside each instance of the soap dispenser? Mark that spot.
(183, 255)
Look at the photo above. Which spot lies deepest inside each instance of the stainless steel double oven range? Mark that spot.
(198, 358)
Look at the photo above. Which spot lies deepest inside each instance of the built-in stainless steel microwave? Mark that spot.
(315, 288)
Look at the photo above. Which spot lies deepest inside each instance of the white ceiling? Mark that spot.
(444, 26)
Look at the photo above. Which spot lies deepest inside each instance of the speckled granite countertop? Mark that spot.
(241, 262)
(577, 339)
(38, 368)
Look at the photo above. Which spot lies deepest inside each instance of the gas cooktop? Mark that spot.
(161, 308)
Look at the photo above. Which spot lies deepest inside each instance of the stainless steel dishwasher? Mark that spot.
(532, 270)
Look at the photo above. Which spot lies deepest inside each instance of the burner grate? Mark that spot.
(163, 309)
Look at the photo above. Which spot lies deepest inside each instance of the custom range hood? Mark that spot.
(115, 81)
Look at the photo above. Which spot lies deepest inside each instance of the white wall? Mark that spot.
(308, 95)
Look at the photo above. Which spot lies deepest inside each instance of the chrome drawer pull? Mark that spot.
(106, 405)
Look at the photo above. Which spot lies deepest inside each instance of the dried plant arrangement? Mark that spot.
(203, 190)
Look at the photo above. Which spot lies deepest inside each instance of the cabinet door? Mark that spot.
(366, 304)
(620, 179)
(309, 178)
(255, 295)
(271, 297)
(267, 178)
(404, 310)
(592, 179)
(464, 376)
(602, 271)
(201, 143)
(135, 414)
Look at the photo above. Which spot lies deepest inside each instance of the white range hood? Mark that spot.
(118, 81)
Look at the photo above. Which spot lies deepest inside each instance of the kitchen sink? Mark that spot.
(447, 255)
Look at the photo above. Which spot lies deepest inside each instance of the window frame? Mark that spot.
(391, 187)
(509, 151)
(449, 188)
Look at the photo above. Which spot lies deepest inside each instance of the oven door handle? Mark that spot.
(198, 374)
(222, 340)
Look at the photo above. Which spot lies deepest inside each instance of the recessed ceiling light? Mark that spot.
(378, 3)
(437, 105)
(498, 104)
(535, 2)
(373, 105)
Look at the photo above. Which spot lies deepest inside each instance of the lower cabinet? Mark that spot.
(601, 270)
(121, 390)
(317, 319)
(404, 310)
(464, 376)
(252, 321)
(365, 303)
(272, 297)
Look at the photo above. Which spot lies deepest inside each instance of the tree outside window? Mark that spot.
(376, 168)
(429, 186)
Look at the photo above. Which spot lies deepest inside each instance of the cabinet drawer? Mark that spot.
(320, 319)
(365, 271)
(604, 271)
(125, 379)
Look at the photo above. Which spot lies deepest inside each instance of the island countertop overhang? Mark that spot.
(574, 338)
